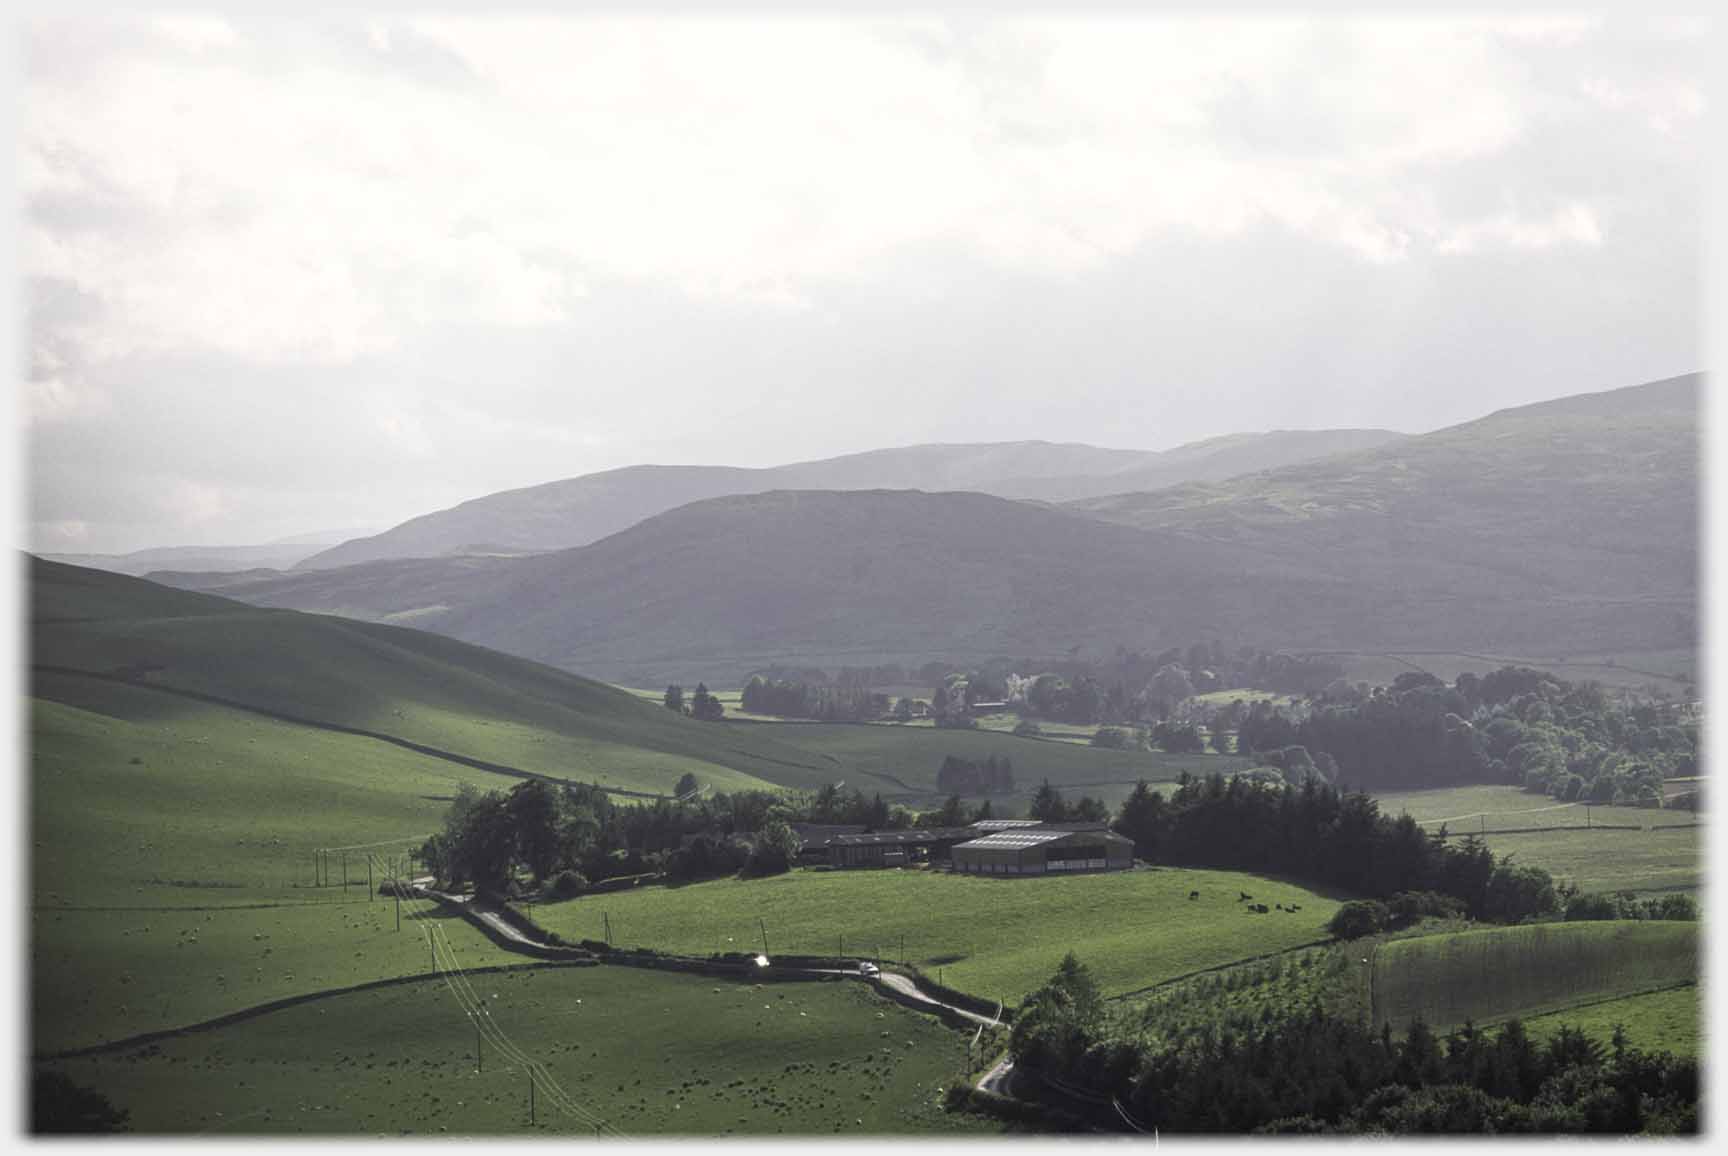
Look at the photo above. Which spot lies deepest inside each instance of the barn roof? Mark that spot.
(1016, 838)
(911, 837)
(1004, 824)
(1046, 833)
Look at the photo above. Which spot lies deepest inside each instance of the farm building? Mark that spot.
(986, 825)
(1044, 849)
(895, 848)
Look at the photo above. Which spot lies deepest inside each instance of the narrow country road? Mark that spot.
(998, 1078)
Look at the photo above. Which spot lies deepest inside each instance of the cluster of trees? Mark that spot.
(1625, 905)
(958, 776)
(1048, 806)
(811, 700)
(1177, 738)
(1309, 1071)
(1514, 725)
(702, 705)
(1316, 832)
(1132, 686)
(575, 834)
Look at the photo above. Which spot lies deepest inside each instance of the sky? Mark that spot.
(286, 273)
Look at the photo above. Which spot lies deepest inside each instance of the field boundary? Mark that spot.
(1223, 967)
(338, 728)
(1589, 1003)
(229, 1018)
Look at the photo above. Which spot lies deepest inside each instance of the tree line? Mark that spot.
(1514, 725)
(1310, 1071)
(810, 700)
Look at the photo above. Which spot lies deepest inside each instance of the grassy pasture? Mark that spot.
(417, 686)
(106, 975)
(1666, 858)
(1668, 1021)
(1493, 974)
(902, 761)
(1670, 859)
(141, 799)
(996, 938)
(1489, 808)
(648, 1052)
(218, 817)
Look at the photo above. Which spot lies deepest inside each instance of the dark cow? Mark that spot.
(1193, 895)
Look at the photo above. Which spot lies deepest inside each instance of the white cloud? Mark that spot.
(303, 206)
(1572, 224)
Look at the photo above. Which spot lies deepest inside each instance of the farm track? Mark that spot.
(336, 728)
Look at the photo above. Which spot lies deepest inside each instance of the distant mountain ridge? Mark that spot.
(1552, 529)
(282, 552)
(576, 511)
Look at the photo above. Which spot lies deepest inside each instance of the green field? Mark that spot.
(995, 938)
(1639, 861)
(1667, 1021)
(1667, 857)
(901, 761)
(172, 860)
(648, 1053)
(405, 683)
(1493, 974)
(1486, 809)
(111, 974)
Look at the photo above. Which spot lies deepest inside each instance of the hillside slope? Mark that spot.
(1558, 529)
(1591, 498)
(420, 687)
(576, 511)
(717, 588)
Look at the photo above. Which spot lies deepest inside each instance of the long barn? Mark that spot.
(1045, 850)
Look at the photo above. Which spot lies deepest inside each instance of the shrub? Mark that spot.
(1111, 738)
(567, 884)
(1029, 730)
(1360, 917)
(1409, 906)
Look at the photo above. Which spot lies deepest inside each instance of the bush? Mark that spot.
(567, 884)
(1517, 893)
(1360, 917)
(1409, 906)
(1111, 738)
(1673, 907)
(1029, 730)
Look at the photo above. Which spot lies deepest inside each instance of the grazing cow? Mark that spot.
(1258, 907)
(1245, 897)
(1193, 895)
(1294, 907)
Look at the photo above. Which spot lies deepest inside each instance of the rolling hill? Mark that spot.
(194, 652)
(281, 553)
(1576, 504)
(1562, 528)
(576, 511)
(720, 587)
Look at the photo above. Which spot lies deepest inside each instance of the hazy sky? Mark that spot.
(292, 274)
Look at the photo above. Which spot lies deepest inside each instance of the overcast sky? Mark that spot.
(293, 274)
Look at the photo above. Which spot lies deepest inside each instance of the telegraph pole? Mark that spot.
(764, 928)
(608, 918)
(370, 893)
(479, 1057)
(344, 874)
(530, 1099)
